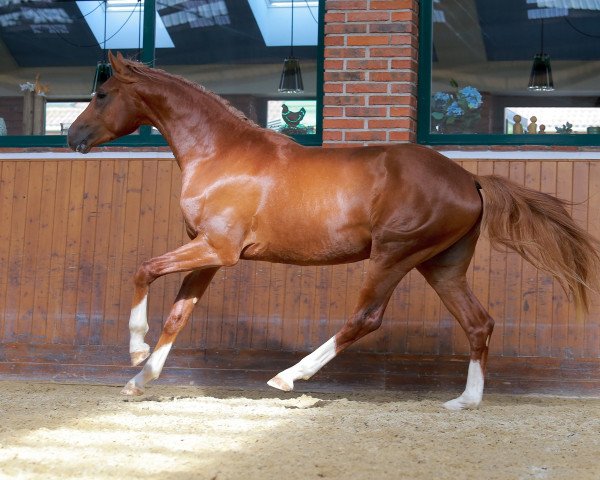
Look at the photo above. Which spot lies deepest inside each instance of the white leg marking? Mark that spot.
(305, 368)
(151, 371)
(471, 397)
(138, 326)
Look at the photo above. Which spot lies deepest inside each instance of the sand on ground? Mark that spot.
(57, 431)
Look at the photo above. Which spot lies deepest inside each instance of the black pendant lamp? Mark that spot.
(291, 76)
(540, 78)
(103, 69)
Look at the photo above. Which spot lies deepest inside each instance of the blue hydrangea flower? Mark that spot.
(472, 96)
(441, 97)
(454, 110)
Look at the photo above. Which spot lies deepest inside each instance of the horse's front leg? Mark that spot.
(194, 255)
(193, 287)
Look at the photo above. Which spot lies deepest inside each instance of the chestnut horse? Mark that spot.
(254, 194)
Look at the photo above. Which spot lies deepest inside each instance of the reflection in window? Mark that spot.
(486, 49)
(242, 60)
(232, 47)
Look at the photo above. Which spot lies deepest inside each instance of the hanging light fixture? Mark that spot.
(540, 78)
(291, 76)
(103, 69)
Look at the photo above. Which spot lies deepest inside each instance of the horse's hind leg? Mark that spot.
(446, 274)
(193, 287)
(382, 278)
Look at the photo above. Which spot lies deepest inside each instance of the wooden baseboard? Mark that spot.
(350, 371)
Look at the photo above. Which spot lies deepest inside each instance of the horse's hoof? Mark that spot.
(132, 390)
(139, 357)
(280, 384)
(460, 403)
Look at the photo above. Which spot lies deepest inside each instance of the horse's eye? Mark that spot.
(100, 95)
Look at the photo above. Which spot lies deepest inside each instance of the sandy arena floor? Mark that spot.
(53, 431)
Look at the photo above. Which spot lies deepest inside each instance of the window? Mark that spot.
(49, 51)
(477, 82)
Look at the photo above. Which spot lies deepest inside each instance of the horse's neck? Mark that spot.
(194, 123)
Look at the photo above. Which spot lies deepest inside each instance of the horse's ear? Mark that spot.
(121, 70)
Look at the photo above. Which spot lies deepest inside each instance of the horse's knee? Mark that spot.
(144, 275)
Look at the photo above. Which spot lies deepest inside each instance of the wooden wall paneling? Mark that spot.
(399, 306)
(145, 240)
(158, 302)
(320, 306)
(30, 243)
(561, 304)
(43, 253)
(339, 308)
(576, 331)
(416, 313)
(57, 259)
(354, 283)
(171, 283)
(498, 280)
(215, 306)
(129, 264)
(16, 253)
(431, 320)
(307, 322)
(592, 327)
(246, 304)
(260, 305)
(229, 315)
(87, 248)
(529, 280)
(544, 316)
(76, 231)
(65, 331)
(114, 297)
(290, 324)
(7, 192)
(514, 266)
(100, 277)
(243, 335)
(383, 336)
(275, 313)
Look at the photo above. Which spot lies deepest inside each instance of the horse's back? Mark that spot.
(327, 205)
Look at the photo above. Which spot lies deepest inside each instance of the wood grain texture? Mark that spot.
(74, 232)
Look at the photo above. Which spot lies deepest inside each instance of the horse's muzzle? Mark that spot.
(77, 140)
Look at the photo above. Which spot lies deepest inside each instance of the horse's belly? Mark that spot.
(302, 249)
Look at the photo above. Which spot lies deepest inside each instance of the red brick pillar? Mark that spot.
(370, 90)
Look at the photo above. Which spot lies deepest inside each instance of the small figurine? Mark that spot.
(566, 128)
(532, 128)
(542, 129)
(517, 128)
(292, 119)
(40, 88)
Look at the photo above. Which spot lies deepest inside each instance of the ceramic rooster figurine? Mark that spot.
(292, 119)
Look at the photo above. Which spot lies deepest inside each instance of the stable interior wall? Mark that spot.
(75, 230)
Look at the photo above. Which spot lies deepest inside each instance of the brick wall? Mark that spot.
(370, 88)
(11, 109)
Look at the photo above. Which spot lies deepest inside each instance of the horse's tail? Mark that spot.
(539, 228)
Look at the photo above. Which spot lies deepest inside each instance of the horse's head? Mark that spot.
(114, 111)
